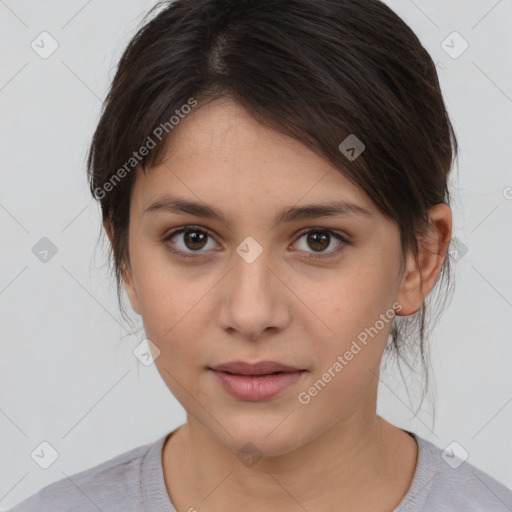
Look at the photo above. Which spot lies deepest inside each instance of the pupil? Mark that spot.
(195, 240)
(317, 241)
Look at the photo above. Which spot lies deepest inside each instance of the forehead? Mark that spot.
(221, 155)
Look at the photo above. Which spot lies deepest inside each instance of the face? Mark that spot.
(314, 291)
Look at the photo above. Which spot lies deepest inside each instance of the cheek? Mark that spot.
(173, 306)
(335, 395)
(173, 315)
(165, 291)
(358, 309)
(352, 301)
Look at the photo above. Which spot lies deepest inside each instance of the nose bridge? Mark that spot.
(252, 301)
(250, 275)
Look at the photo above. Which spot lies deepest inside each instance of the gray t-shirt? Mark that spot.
(134, 482)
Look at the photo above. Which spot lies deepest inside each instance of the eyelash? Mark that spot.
(312, 256)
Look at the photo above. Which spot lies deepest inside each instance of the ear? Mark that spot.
(433, 246)
(126, 272)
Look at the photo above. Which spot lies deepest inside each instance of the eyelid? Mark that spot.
(186, 227)
(331, 231)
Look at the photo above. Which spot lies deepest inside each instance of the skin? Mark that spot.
(335, 452)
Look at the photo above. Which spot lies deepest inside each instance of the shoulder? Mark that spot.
(114, 485)
(445, 482)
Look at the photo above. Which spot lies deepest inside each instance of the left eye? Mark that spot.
(320, 239)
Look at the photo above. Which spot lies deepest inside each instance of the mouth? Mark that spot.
(258, 374)
(256, 381)
(250, 369)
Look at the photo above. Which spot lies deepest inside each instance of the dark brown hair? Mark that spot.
(316, 70)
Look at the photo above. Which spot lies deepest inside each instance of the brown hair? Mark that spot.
(316, 70)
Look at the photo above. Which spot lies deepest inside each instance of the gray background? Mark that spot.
(68, 375)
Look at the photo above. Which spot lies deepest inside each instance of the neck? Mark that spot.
(361, 464)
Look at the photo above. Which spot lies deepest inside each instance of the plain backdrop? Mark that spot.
(68, 375)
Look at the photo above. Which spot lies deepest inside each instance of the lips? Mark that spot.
(256, 381)
(261, 368)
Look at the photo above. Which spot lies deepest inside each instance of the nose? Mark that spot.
(253, 299)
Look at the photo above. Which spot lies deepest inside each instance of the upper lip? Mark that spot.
(260, 368)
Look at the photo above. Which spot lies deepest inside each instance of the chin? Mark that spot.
(265, 437)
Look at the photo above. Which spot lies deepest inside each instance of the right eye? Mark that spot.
(187, 240)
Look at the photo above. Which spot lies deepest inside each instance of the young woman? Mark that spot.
(273, 179)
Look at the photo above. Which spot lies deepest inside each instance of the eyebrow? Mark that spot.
(331, 208)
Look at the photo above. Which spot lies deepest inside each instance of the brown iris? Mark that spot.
(195, 239)
(318, 240)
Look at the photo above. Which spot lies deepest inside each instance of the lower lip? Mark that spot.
(259, 387)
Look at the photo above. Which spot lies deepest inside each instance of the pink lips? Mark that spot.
(257, 381)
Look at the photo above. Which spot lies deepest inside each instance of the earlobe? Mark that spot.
(408, 296)
(432, 249)
(125, 272)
